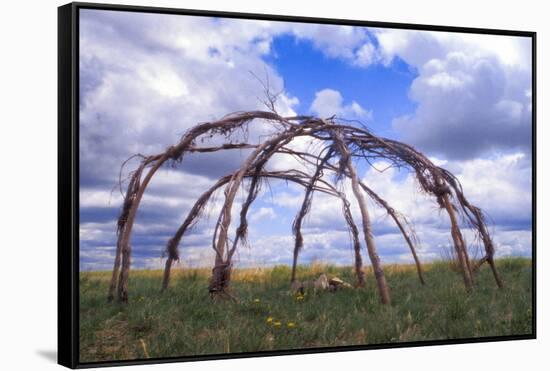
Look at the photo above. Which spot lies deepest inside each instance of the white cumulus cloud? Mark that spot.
(329, 102)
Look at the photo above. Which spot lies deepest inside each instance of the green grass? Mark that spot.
(185, 321)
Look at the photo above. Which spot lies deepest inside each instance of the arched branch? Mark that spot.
(349, 142)
(222, 264)
(194, 214)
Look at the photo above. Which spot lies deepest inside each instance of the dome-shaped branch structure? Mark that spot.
(342, 145)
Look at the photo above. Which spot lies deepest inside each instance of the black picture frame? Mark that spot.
(68, 180)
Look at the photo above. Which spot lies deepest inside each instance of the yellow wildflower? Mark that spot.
(277, 323)
(269, 319)
(256, 300)
(290, 325)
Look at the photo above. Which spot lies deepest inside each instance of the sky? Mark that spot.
(462, 99)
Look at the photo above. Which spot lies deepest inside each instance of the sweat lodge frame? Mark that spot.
(68, 188)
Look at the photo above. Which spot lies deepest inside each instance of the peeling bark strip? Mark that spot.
(345, 143)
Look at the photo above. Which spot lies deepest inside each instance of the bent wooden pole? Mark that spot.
(487, 243)
(304, 210)
(369, 239)
(166, 274)
(129, 198)
(367, 228)
(406, 236)
(383, 203)
(200, 204)
(114, 275)
(222, 264)
(417, 263)
(126, 249)
(459, 245)
(359, 273)
(498, 280)
(255, 175)
(157, 162)
(348, 141)
(489, 259)
(225, 125)
(477, 220)
(173, 243)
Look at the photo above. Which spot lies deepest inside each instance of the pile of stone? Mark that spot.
(323, 283)
(336, 283)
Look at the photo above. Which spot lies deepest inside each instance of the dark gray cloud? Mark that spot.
(473, 92)
(469, 107)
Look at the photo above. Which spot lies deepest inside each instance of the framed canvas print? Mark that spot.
(242, 185)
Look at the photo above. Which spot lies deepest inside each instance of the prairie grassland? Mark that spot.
(185, 321)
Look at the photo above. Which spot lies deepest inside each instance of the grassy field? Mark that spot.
(184, 320)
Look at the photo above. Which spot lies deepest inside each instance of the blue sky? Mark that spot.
(308, 71)
(465, 100)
